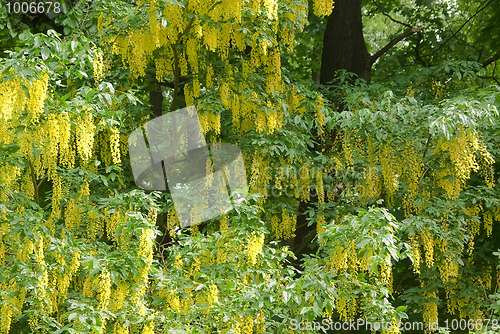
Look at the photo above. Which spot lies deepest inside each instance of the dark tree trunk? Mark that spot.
(343, 48)
(343, 42)
(156, 97)
(156, 101)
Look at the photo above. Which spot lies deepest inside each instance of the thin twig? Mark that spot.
(489, 77)
(396, 21)
(427, 145)
(393, 42)
(492, 59)
(463, 25)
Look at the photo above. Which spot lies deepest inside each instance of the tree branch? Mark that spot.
(182, 81)
(166, 84)
(300, 247)
(394, 41)
(490, 77)
(492, 59)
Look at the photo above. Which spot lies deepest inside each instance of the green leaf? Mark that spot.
(72, 316)
(45, 53)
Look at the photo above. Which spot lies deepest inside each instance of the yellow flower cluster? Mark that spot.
(95, 227)
(11, 305)
(38, 94)
(461, 151)
(213, 296)
(50, 152)
(114, 142)
(415, 248)
(98, 65)
(178, 261)
(488, 222)
(64, 281)
(172, 223)
(254, 247)
(223, 223)
(85, 136)
(66, 152)
(428, 241)
(12, 99)
(320, 115)
(413, 161)
(72, 215)
(8, 177)
(346, 308)
(319, 186)
(6, 312)
(118, 297)
(258, 179)
(487, 278)
(485, 163)
(104, 290)
(271, 7)
(272, 67)
(112, 223)
(118, 328)
(394, 329)
(286, 228)
(145, 252)
(274, 119)
(87, 290)
(209, 122)
(322, 7)
(4, 229)
(473, 226)
(448, 269)
(302, 191)
(430, 310)
(246, 324)
(346, 257)
(390, 171)
(320, 224)
(386, 274)
(149, 328)
(373, 183)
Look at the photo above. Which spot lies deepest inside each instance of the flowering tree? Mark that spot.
(364, 199)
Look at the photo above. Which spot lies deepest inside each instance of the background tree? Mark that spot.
(384, 194)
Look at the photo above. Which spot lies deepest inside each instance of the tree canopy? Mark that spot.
(370, 138)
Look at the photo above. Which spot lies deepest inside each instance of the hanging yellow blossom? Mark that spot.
(98, 68)
(85, 136)
(254, 248)
(104, 290)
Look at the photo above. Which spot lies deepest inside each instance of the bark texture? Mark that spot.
(343, 42)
